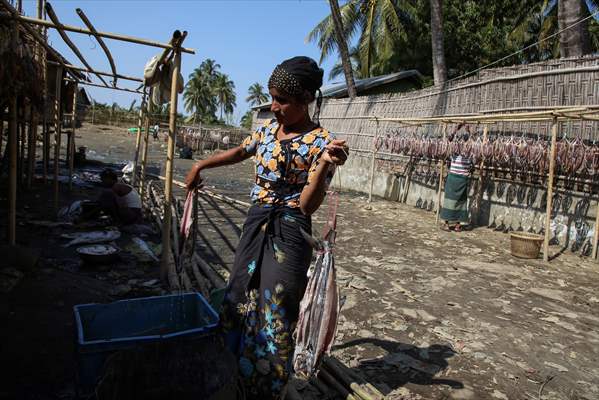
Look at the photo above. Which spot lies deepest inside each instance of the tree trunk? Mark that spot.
(573, 42)
(439, 67)
(343, 51)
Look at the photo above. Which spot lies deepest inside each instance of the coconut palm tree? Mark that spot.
(343, 51)
(439, 68)
(256, 95)
(354, 56)
(246, 120)
(198, 97)
(549, 16)
(224, 89)
(379, 23)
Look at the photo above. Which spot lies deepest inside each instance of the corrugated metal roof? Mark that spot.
(337, 90)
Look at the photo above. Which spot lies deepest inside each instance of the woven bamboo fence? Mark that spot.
(530, 87)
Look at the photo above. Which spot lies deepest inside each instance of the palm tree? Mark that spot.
(354, 56)
(439, 68)
(256, 95)
(198, 97)
(246, 120)
(380, 23)
(343, 51)
(224, 89)
(574, 41)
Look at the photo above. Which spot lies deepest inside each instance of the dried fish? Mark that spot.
(319, 308)
(92, 237)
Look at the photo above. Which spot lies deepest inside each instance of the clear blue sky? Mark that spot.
(247, 38)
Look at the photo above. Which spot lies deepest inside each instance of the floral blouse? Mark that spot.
(284, 167)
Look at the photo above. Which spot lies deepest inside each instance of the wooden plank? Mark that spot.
(554, 126)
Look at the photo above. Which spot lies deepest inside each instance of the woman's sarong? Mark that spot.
(455, 203)
(261, 305)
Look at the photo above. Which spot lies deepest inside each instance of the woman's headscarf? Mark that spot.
(298, 75)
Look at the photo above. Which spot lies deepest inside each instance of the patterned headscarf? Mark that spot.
(298, 75)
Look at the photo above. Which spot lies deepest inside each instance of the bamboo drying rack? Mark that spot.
(173, 49)
(554, 116)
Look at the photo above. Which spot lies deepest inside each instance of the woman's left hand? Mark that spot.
(336, 152)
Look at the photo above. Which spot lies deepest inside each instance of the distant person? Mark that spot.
(118, 200)
(455, 203)
(156, 132)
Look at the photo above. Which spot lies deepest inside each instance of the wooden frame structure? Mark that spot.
(173, 49)
(555, 116)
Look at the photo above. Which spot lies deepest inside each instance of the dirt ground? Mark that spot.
(427, 314)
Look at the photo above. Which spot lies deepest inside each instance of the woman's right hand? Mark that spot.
(193, 179)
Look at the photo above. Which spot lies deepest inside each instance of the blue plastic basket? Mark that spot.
(103, 329)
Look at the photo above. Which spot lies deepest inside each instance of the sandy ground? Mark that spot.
(427, 315)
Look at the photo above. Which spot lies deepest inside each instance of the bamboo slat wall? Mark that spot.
(544, 85)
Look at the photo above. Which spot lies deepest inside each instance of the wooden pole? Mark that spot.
(138, 138)
(144, 157)
(22, 134)
(75, 68)
(373, 161)
(70, 28)
(479, 195)
(57, 133)
(168, 183)
(596, 233)
(12, 172)
(32, 141)
(71, 149)
(441, 173)
(554, 126)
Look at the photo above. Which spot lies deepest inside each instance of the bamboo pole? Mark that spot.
(71, 149)
(32, 141)
(57, 133)
(35, 34)
(107, 35)
(107, 87)
(75, 68)
(12, 172)
(58, 25)
(373, 160)
(22, 132)
(441, 172)
(94, 32)
(596, 233)
(480, 176)
(138, 138)
(168, 183)
(554, 126)
(144, 157)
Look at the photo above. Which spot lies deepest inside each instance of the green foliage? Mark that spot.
(246, 120)
(395, 35)
(256, 95)
(207, 91)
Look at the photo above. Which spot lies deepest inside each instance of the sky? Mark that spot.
(248, 38)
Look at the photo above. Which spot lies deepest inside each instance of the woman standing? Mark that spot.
(295, 159)
(455, 203)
